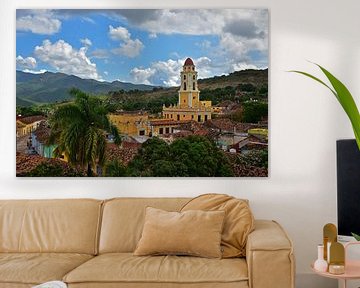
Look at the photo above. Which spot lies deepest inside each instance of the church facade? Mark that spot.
(189, 106)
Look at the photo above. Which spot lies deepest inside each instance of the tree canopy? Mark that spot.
(254, 112)
(193, 156)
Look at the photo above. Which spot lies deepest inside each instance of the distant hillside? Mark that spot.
(244, 84)
(52, 87)
(258, 78)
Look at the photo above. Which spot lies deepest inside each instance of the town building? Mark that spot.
(189, 108)
(131, 122)
(26, 125)
(39, 140)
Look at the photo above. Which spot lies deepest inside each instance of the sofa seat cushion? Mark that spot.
(36, 268)
(127, 268)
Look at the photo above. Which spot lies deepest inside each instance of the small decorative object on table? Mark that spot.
(340, 267)
(329, 236)
(52, 284)
(337, 258)
(320, 264)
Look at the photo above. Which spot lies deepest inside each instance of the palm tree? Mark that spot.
(79, 129)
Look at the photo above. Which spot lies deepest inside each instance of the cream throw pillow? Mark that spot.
(193, 232)
(238, 223)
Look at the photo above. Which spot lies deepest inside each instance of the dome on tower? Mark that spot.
(189, 62)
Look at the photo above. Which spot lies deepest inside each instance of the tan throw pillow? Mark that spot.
(239, 220)
(196, 233)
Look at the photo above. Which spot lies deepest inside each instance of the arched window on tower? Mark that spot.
(193, 77)
(184, 86)
(193, 85)
(184, 77)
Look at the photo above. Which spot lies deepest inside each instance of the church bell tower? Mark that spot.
(189, 93)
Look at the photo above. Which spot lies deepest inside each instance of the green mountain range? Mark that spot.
(52, 87)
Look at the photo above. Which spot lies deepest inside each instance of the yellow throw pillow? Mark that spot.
(238, 224)
(193, 232)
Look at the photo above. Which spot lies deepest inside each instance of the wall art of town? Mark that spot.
(215, 127)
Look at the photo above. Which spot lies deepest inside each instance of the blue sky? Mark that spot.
(143, 45)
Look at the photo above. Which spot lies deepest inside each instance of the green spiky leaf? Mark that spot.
(356, 236)
(344, 97)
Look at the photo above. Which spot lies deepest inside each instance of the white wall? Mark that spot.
(305, 120)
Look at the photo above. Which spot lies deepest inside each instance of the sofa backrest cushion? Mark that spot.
(123, 220)
(238, 224)
(64, 226)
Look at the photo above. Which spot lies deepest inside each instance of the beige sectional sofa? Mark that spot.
(89, 243)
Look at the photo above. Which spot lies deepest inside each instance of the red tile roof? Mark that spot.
(20, 125)
(227, 125)
(31, 119)
(189, 62)
(181, 134)
(245, 169)
(26, 163)
(42, 133)
(123, 154)
(132, 113)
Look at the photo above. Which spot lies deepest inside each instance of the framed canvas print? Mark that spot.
(142, 93)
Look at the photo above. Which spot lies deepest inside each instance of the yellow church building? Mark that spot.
(188, 108)
(133, 123)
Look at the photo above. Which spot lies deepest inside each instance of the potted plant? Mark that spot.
(346, 100)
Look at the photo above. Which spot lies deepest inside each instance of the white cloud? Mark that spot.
(141, 75)
(152, 35)
(41, 71)
(243, 66)
(99, 53)
(106, 73)
(232, 47)
(205, 44)
(167, 73)
(86, 41)
(64, 58)
(38, 22)
(119, 33)
(25, 63)
(198, 21)
(129, 47)
(174, 54)
(239, 31)
(88, 19)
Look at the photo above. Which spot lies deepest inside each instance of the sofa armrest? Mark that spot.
(269, 256)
